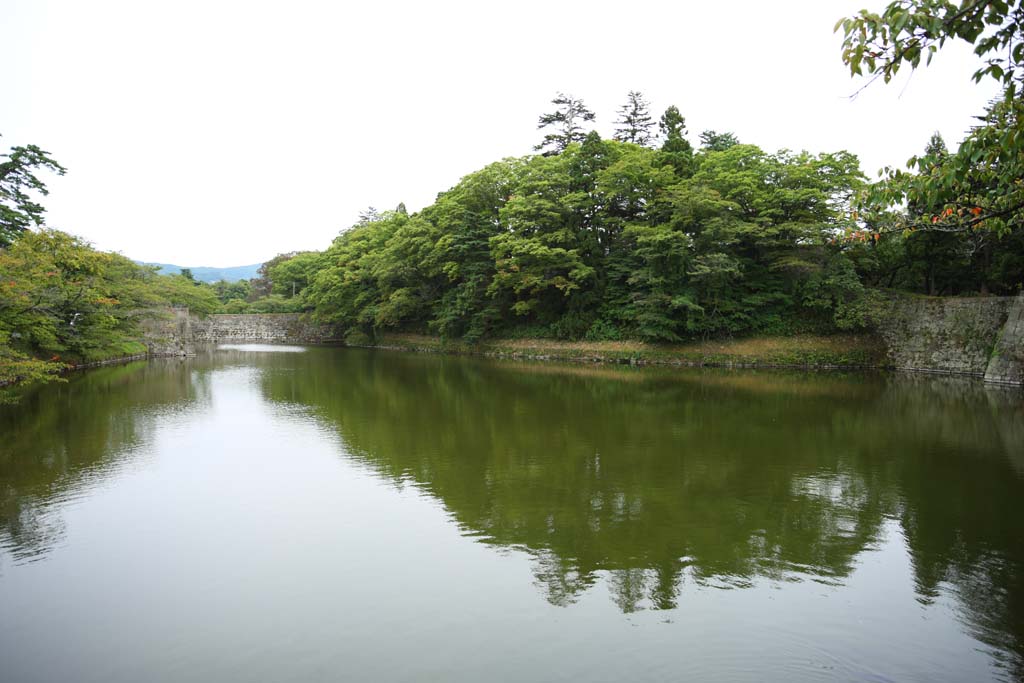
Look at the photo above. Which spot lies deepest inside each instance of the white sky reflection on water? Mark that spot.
(262, 348)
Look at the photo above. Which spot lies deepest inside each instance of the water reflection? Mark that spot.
(662, 479)
(64, 439)
(650, 482)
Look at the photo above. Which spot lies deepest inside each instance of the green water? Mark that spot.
(288, 514)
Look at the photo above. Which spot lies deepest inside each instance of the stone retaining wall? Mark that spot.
(272, 327)
(177, 332)
(1007, 364)
(947, 335)
(169, 334)
(981, 336)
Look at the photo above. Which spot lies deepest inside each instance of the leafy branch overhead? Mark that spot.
(979, 187)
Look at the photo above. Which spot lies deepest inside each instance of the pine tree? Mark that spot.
(567, 120)
(714, 141)
(936, 148)
(634, 120)
(672, 124)
(18, 209)
(676, 149)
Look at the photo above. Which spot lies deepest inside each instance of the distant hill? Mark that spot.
(207, 274)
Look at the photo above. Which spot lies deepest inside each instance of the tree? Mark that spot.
(232, 291)
(17, 180)
(929, 252)
(979, 186)
(61, 297)
(263, 284)
(672, 124)
(368, 215)
(676, 150)
(936, 148)
(634, 120)
(714, 141)
(567, 120)
(290, 277)
(176, 290)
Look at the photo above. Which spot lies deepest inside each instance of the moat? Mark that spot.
(284, 513)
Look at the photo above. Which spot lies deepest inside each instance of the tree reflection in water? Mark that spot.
(651, 480)
(662, 478)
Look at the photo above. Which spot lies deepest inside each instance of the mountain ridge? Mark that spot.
(208, 273)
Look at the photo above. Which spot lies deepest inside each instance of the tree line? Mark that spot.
(644, 237)
(607, 239)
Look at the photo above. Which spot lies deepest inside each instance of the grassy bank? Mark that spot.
(802, 351)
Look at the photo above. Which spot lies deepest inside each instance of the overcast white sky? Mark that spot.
(221, 133)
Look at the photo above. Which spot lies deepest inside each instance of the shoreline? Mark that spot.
(843, 352)
(802, 352)
(866, 352)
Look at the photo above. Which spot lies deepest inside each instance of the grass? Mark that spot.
(804, 351)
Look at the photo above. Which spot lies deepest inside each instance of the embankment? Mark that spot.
(979, 337)
(177, 333)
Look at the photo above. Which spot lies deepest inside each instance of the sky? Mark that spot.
(220, 133)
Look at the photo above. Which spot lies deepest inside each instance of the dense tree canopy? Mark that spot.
(61, 300)
(608, 240)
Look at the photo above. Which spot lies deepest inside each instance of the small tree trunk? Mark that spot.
(986, 260)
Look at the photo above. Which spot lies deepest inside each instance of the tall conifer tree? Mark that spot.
(675, 148)
(634, 122)
(567, 120)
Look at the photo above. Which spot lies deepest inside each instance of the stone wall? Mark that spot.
(270, 327)
(946, 335)
(169, 333)
(1007, 364)
(981, 337)
(177, 332)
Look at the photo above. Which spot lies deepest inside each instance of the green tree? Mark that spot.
(346, 290)
(536, 256)
(672, 124)
(179, 291)
(291, 276)
(18, 181)
(714, 141)
(676, 150)
(567, 120)
(61, 299)
(934, 257)
(634, 123)
(262, 285)
(232, 291)
(605, 240)
(467, 217)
